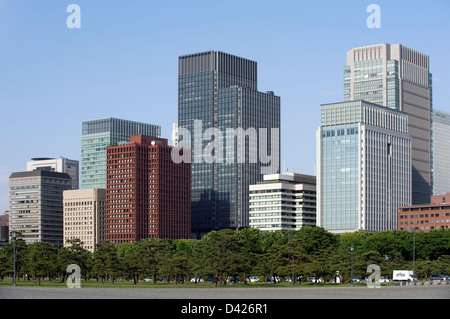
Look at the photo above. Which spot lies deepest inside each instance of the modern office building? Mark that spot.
(36, 205)
(96, 136)
(4, 229)
(148, 194)
(61, 165)
(398, 78)
(283, 202)
(84, 216)
(441, 152)
(364, 167)
(233, 131)
(435, 215)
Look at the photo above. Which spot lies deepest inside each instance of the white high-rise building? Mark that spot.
(60, 165)
(441, 152)
(364, 167)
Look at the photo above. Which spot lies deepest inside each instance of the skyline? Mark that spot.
(123, 63)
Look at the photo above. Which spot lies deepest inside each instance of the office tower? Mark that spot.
(283, 202)
(84, 216)
(435, 215)
(4, 229)
(96, 136)
(233, 132)
(399, 78)
(148, 194)
(364, 167)
(61, 165)
(441, 152)
(36, 205)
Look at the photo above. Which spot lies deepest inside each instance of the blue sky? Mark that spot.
(123, 63)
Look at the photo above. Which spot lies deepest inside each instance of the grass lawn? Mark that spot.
(162, 284)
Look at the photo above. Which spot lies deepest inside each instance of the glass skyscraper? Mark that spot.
(441, 152)
(217, 95)
(364, 167)
(96, 136)
(398, 78)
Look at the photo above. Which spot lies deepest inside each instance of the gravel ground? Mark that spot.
(409, 292)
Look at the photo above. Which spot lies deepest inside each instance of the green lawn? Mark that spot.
(162, 284)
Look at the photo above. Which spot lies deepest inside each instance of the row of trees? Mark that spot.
(311, 251)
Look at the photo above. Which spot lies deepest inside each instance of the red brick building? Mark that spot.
(426, 217)
(147, 194)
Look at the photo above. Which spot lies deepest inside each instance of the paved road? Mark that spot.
(411, 292)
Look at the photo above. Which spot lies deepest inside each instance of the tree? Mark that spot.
(220, 254)
(131, 260)
(316, 239)
(3, 263)
(151, 251)
(22, 251)
(73, 253)
(293, 259)
(42, 260)
(106, 263)
(178, 265)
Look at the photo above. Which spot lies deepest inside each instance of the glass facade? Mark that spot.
(398, 78)
(441, 152)
(218, 91)
(96, 136)
(364, 166)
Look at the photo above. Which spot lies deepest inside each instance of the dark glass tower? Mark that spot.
(217, 101)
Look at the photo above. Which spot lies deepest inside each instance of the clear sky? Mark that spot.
(123, 62)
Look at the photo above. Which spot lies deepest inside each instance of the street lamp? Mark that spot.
(351, 273)
(13, 236)
(414, 252)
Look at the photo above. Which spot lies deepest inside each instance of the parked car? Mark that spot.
(148, 279)
(383, 279)
(356, 280)
(254, 279)
(437, 277)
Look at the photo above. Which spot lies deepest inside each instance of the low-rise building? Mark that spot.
(426, 217)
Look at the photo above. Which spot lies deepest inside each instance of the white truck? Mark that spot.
(403, 275)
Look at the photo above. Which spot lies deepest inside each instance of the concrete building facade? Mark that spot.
(147, 193)
(84, 216)
(435, 215)
(283, 202)
(61, 165)
(36, 205)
